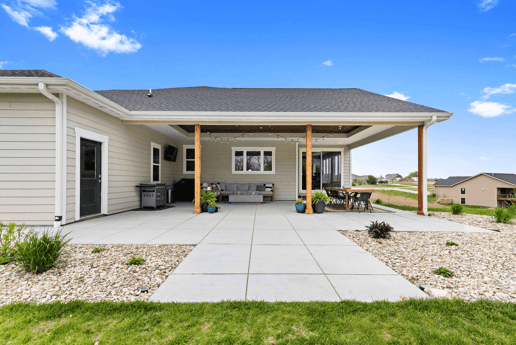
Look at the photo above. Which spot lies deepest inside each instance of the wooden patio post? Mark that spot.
(420, 181)
(308, 169)
(197, 208)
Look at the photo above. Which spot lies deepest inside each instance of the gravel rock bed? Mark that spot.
(94, 277)
(484, 263)
(485, 222)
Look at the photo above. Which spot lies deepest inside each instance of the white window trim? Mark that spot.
(104, 140)
(153, 146)
(318, 149)
(184, 159)
(261, 149)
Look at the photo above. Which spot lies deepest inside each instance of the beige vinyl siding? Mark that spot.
(27, 159)
(480, 191)
(129, 156)
(216, 165)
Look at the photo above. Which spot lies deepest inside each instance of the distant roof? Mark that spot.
(453, 180)
(34, 73)
(205, 98)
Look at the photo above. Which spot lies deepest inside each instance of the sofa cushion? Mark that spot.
(243, 186)
(260, 187)
(222, 185)
(227, 192)
(231, 186)
(252, 187)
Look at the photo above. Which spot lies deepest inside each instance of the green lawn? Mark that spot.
(480, 210)
(408, 322)
(405, 194)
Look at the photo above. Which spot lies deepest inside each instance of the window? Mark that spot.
(253, 160)
(463, 191)
(463, 201)
(188, 159)
(155, 162)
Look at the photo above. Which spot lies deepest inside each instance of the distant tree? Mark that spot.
(371, 179)
(412, 174)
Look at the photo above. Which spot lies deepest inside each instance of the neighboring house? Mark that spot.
(484, 189)
(393, 177)
(67, 153)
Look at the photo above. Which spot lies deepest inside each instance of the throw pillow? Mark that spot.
(260, 188)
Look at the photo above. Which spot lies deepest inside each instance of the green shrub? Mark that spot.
(300, 201)
(136, 261)
(501, 215)
(450, 243)
(446, 273)
(39, 252)
(457, 209)
(10, 236)
(354, 184)
(379, 229)
(512, 210)
(371, 180)
(97, 250)
(378, 201)
(433, 195)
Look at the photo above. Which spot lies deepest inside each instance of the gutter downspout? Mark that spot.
(425, 165)
(59, 154)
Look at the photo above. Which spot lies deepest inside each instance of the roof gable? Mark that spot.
(454, 180)
(31, 73)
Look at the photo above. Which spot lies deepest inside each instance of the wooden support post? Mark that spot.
(197, 208)
(308, 209)
(420, 181)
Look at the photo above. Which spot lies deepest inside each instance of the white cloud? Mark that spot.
(505, 89)
(47, 31)
(483, 158)
(490, 109)
(2, 63)
(486, 5)
(92, 31)
(22, 11)
(487, 59)
(398, 95)
(513, 65)
(328, 63)
(512, 35)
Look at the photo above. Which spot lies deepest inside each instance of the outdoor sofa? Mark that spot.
(260, 188)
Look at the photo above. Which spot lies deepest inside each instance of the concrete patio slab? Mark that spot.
(370, 288)
(180, 236)
(132, 236)
(216, 259)
(228, 237)
(276, 237)
(201, 288)
(329, 238)
(282, 259)
(289, 288)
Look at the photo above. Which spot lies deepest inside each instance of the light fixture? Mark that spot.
(260, 127)
(277, 137)
(340, 128)
(235, 139)
(292, 141)
(331, 135)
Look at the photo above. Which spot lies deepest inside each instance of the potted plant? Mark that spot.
(206, 198)
(212, 207)
(319, 200)
(300, 205)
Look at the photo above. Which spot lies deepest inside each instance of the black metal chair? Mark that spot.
(352, 198)
(363, 200)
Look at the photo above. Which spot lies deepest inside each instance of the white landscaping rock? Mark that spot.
(436, 293)
(94, 277)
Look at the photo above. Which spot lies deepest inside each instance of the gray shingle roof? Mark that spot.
(453, 180)
(260, 100)
(34, 73)
(450, 181)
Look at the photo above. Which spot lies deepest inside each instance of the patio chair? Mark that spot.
(363, 200)
(353, 197)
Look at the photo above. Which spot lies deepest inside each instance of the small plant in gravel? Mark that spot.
(10, 236)
(446, 273)
(378, 201)
(512, 210)
(379, 229)
(38, 253)
(452, 244)
(97, 250)
(457, 209)
(501, 215)
(136, 261)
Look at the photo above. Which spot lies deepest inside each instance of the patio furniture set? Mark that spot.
(350, 198)
(241, 192)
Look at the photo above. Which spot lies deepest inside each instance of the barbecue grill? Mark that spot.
(152, 194)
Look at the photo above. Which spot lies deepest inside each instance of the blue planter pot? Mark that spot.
(300, 208)
(212, 209)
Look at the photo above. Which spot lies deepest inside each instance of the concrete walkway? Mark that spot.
(267, 252)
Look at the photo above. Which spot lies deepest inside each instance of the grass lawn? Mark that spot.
(480, 210)
(407, 322)
(405, 194)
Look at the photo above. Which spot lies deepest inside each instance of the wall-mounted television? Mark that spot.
(170, 153)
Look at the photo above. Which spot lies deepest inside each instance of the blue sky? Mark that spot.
(459, 56)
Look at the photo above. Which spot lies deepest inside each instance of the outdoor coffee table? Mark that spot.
(246, 198)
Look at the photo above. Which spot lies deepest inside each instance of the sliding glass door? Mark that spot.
(326, 169)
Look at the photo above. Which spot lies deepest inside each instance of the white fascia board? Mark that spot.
(291, 117)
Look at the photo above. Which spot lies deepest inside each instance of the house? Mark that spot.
(68, 153)
(484, 189)
(393, 177)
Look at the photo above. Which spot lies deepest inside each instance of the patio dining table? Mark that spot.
(346, 191)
